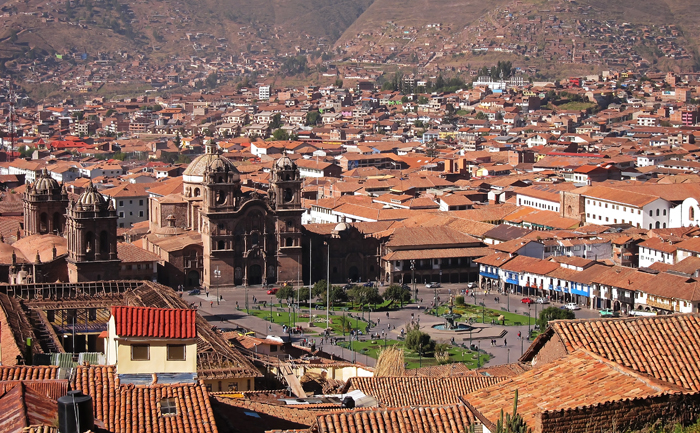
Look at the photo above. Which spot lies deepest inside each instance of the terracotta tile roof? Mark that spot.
(418, 391)
(496, 259)
(28, 372)
(130, 253)
(429, 236)
(27, 404)
(666, 347)
(132, 409)
(578, 379)
(658, 244)
(445, 419)
(671, 286)
(154, 322)
(446, 370)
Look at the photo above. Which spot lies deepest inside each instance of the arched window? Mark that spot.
(222, 245)
(658, 225)
(289, 242)
(254, 238)
(691, 213)
(196, 192)
(89, 248)
(43, 223)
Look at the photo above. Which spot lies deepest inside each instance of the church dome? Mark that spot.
(45, 183)
(91, 196)
(285, 163)
(210, 161)
(340, 227)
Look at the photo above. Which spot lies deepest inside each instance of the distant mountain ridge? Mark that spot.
(158, 29)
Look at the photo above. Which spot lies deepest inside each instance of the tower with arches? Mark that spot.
(45, 203)
(91, 226)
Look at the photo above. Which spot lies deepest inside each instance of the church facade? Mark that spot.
(246, 236)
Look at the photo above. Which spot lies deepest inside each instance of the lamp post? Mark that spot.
(310, 284)
(413, 279)
(217, 275)
(478, 356)
(508, 356)
(528, 321)
(328, 285)
(271, 319)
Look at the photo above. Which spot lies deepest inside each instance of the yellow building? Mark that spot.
(143, 340)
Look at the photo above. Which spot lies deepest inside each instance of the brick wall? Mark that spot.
(551, 351)
(622, 415)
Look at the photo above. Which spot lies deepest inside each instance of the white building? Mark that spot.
(264, 93)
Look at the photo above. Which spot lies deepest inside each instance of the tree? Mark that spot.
(418, 341)
(553, 313)
(397, 293)
(280, 135)
(212, 80)
(339, 83)
(312, 118)
(422, 100)
(177, 140)
(481, 116)
(318, 288)
(285, 292)
(276, 121)
(365, 295)
(442, 354)
(337, 295)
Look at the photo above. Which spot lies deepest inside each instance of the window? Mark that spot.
(121, 214)
(140, 213)
(657, 212)
(273, 348)
(176, 352)
(121, 203)
(233, 386)
(168, 406)
(140, 352)
(664, 212)
(651, 213)
(140, 202)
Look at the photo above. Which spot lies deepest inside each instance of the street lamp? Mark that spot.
(413, 279)
(528, 321)
(271, 319)
(328, 285)
(217, 275)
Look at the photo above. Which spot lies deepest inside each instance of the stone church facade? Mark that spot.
(248, 237)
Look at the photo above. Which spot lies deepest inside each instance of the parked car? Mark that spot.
(542, 301)
(527, 301)
(194, 292)
(609, 313)
(272, 291)
(432, 285)
(572, 306)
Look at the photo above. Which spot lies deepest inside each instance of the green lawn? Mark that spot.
(372, 348)
(283, 317)
(475, 312)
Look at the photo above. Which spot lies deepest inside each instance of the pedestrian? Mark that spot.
(236, 305)
(519, 335)
(504, 342)
(212, 304)
(200, 303)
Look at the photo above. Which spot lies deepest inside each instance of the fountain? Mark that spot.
(450, 319)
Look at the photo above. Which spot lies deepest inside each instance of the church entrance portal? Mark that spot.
(254, 275)
(193, 279)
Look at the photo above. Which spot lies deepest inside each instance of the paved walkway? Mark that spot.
(507, 349)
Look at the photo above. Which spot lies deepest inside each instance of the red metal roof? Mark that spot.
(154, 322)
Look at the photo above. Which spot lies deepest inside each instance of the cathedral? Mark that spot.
(219, 233)
(216, 232)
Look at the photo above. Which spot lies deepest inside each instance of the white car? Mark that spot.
(432, 285)
(572, 306)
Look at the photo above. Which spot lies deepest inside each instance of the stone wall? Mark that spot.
(621, 415)
(571, 205)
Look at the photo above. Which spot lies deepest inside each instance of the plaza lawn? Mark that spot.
(281, 316)
(474, 311)
(372, 347)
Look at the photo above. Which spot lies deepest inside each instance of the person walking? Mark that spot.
(505, 343)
